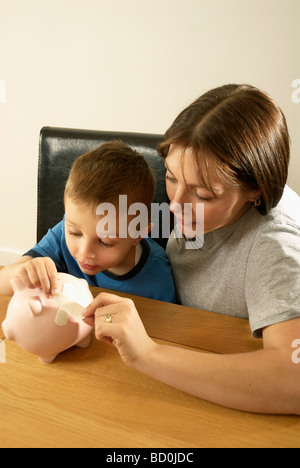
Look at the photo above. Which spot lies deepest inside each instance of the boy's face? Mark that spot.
(93, 253)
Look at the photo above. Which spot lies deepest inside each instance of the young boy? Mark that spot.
(88, 243)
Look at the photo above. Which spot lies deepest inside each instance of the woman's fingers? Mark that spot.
(103, 299)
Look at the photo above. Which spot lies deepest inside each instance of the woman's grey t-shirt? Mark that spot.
(250, 269)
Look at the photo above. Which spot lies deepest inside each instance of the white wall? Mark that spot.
(127, 65)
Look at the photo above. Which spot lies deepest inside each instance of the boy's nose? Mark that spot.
(87, 250)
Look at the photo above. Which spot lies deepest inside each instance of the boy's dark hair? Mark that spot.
(111, 170)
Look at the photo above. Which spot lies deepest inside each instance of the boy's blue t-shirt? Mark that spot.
(152, 277)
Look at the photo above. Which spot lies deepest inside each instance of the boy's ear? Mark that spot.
(144, 232)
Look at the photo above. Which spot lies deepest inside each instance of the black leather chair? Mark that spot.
(60, 147)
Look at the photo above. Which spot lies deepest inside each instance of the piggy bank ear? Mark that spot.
(17, 284)
(35, 305)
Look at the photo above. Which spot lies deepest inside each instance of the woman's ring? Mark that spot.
(108, 318)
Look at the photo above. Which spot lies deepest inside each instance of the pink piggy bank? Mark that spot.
(46, 327)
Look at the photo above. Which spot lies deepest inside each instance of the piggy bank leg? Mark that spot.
(7, 331)
(47, 360)
(84, 343)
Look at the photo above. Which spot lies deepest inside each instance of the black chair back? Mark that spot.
(60, 147)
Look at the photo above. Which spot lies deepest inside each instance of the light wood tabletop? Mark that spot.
(89, 398)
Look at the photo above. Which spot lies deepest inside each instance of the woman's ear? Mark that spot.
(254, 195)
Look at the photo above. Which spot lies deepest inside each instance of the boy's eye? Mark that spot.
(76, 234)
(103, 243)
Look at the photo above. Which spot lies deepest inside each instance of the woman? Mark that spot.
(230, 151)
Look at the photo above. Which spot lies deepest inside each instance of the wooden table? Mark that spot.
(89, 398)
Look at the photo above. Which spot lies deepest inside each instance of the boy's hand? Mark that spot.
(41, 273)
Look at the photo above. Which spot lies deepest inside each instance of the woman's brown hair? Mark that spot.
(240, 132)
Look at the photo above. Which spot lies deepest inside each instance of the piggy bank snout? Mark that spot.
(7, 330)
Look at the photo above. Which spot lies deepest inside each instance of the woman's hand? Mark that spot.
(125, 331)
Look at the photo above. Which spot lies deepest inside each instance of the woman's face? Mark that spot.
(221, 208)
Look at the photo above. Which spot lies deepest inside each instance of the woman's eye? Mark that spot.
(203, 199)
(171, 179)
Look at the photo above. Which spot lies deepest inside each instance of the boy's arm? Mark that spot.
(9, 272)
(37, 272)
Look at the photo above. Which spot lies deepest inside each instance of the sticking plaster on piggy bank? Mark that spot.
(46, 327)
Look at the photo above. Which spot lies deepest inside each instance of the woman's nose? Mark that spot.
(176, 208)
(177, 202)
